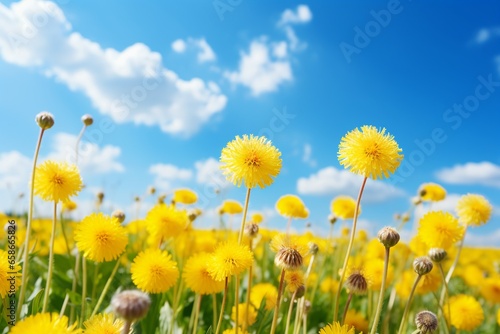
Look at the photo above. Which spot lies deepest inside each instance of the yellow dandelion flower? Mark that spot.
(336, 328)
(474, 210)
(466, 312)
(45, 323)
(290, 251)
(68, 206)
(294, 279)
(164, 222)
(356, 320)
(472, 275)
(370, 152)
(233, 331)
(250, 160)
(103, 324)
(100, 237)
(291, 206)
(231, 207)
(490, 289)
(154, 271)
(329, 285)
(57, 181)
(9, 277)
(373, 271)
(439, 229)
(343, 207)
(228, 259)
(264, 292)
(197, 277)
(242, 314)
(185, 196)
(431, 192)
(257, 218)
(430, 282)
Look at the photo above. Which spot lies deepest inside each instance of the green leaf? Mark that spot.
(36, 303)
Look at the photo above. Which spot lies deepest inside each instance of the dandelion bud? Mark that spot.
(313, 248)
(137, 199)
(357, 283)
(405, 217)
(131, 304)
(87, 120)
(437, 254)
(388, 236)
(161, 198)
(119, 215)
(100, 197)
(422, 265)
(397, 216)
(416, 200)
(288, 258)
(426, 322)
(45, 120)
(251, 230)
(332, 219)
(300, 292)
(151, 190)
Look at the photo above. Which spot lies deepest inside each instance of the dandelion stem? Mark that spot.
(73, 286)
(446, 290)
(348, 302)
(249, 290)
(278, 301)
(197, 304)
(236, 302)
(408, 303)
(84, 288)
(80, 135)
(349, 247)
(244, 217)
(51, 261)
(290, 308)
(106, 287)
(224, 298)
(63, 307)
(126, 327)
(25, 273)
(382, 290)
(214, 310)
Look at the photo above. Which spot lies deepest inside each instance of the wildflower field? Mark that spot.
(161, 273)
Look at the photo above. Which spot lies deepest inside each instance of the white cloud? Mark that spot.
(331, 181)
(208, 173)
(166, 174)
(129, 86)
(205, 51)
(485, 34)
(91, 157)
(179, 46)
(280, 49)
(307, 155)
(302, 14)
(260, 71)
(484, 239)
(15, 171)
(481, 173)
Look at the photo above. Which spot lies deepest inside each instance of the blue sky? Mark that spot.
(170, 83)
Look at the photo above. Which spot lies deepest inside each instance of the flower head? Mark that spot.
(87, 120)
(466, 312)
(251, 160)
(165, 221)
(370, 152)
(243, 316)
(57, 181)
(45, 323)
(356, 320)
(336, 328)
(357, 283)
(490, 289)
(264, 291)
(388, 236)
(289, 250)
(257, 218)
(154, 271)
(426, 322)
(474, 210)
(294, 280)
(45, 120)
(439, 229)
(228, 259)
(291, 206)
(343, 207)
(103, 324)
(131, 305)
(431, 192)
(197, 277)
(185, 196)
(231, 207)
(101, 238)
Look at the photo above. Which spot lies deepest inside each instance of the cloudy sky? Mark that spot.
(170, 83)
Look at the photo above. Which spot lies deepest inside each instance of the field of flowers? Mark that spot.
(162, 274)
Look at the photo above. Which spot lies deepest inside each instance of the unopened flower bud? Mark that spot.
(300, 292)
(388, 236)
(119, 215)
(313, 248)
(332, 219)
(416, 200)
(87, 120)
(45, 120)
(151, 190)
(100, 197)
(437, 254)
(422, 265)
(405, 217)
(131, 305)
(251, 230)
(161, 198)
(426, 322)
(357, 283)
(288, 258)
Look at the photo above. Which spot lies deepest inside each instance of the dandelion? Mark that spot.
(57, 181)
(474, 210)
(289, 251)
(343, 207)
(250, 160)
(228, 259)
(197, 276)
(185, 196)
(257, 218)
(431, 192)
(130, 305)
(357, 320)
(266, 292)
(103, 324)
(294, 280)
(426, 322)
(231, 207)
(164, 222)
(439, 229)
(248, 315)
(490, 289)
(100, 237)
(154, 271)
(466, 312)
(291, 206)
(45, 323)
(336, 328)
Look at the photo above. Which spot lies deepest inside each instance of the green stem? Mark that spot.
(63, 230)
(408, 303)
(382, 290)
(243, 219)
(80, 135)
(348, 302)
(24, 277)
(445, 287)
(106, 287)
(278, 302)
(349, 247)
(236, 303)
(290, 308)
(224, 298)
(95, 281)
(51, 261)
(76, 271)
(84, 289)
(214, 310)
(249, 290)
(64, 305)
(126, 327)
(197, 312)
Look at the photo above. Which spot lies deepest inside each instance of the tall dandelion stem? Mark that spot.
(349, 247)
(249, 291)
(408, 304)
(236, 302)
(24, 277)
(224, 298)
(84, 288)
(290, 309)
(244, 217)
(80, 135)
(197, 304)
(106, 288)
(278, 302)
(382, 290)
(51, 260)
(346, 308)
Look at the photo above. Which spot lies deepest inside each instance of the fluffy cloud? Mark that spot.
(485, 34)
(302, 14)
(481, 173)
(331, 181)
(167, 174)
(129, 86)
(208, 172)
(14, 171)
(205, 51)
